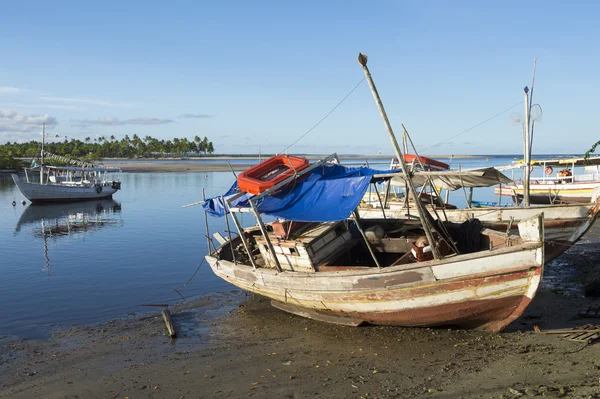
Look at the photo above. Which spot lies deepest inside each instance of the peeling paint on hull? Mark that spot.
(432, 293)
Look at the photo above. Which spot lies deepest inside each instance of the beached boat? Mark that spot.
(373, 271)
(564, 224)
(394, 272)
(81, 181)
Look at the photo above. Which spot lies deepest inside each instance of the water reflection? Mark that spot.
(51, 221)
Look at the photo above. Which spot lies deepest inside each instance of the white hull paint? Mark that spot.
(564, 224)
(35, 192)
(487, 289)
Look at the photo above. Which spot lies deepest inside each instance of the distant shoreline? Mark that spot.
(194, 165)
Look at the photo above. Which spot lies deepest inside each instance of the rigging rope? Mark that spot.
(325, 117)
(473, 127)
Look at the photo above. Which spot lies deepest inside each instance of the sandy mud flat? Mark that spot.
(236, 345)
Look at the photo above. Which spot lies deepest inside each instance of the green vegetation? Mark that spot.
(591, 150)
(7, 161)
(112, 148)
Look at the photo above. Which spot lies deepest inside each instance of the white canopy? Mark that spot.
(452, 180)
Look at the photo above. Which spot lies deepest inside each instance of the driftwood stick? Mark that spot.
(538, 331)
(162, 305)
(166, 314)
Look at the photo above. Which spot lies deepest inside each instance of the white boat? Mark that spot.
(562, 182)
(564, 224)
(67, 183)
(85, 181)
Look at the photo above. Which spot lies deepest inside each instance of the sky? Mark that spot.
(262, 73)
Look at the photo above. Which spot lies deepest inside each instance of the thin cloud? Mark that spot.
(14, 122)
(83, 123)
(51, 106)
(11, 90)
(85, 101)
(196, 116)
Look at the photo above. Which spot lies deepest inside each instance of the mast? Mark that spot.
(527, 149)
(42, 154)
(362, 60)
(528, 137)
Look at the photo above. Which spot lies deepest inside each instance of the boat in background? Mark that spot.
(83, 181)
(564, 224)
(561, 183)
(66, 218)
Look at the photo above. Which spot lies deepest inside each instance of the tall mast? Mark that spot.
(362, 60)
(527, 149)
(42, 154)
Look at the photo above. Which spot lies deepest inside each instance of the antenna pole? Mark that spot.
(526, 172)
(362, 60)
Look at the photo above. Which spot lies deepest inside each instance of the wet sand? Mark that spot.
(236, 345)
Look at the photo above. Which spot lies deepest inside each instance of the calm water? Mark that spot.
(92, 261)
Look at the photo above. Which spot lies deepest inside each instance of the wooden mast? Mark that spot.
(362, 60)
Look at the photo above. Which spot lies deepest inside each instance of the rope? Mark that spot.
(473, 127)
(325, 117)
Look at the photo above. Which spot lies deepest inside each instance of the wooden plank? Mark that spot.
(263, 229)
(166, 314)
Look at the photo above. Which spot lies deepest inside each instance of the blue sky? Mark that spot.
(246, 74)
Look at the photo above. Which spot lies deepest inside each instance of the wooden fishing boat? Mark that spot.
(428, 164)
(393, 272)
(327, 275)
(564, 224)
(270, 172)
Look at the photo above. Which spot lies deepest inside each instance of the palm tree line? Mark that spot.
(102, 147)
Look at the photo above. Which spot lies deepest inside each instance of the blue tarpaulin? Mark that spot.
(327, 193)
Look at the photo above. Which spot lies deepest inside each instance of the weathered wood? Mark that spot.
(161, 305)
(362, 60)
(166, 314)
(537, 330)
(220, 239)
(263, 230)
(367, 243)
(241, 231)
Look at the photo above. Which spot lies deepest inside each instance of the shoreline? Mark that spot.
(232, 344)
(235, 344)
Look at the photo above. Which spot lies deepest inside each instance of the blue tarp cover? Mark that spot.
(327, 193)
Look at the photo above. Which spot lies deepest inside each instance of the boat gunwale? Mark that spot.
(526, 246)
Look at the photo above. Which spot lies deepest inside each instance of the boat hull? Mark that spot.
(564, 225)
(40, 193)
(565, 193)
(468, 291)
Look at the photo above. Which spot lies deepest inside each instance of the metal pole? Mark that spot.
(228, 231)
(263, 230)
(206, 223)
(42, 154)
(431, 184)
(378, 195)
(364, 236)
(526, 173)
(362, 60)
(242, 236)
